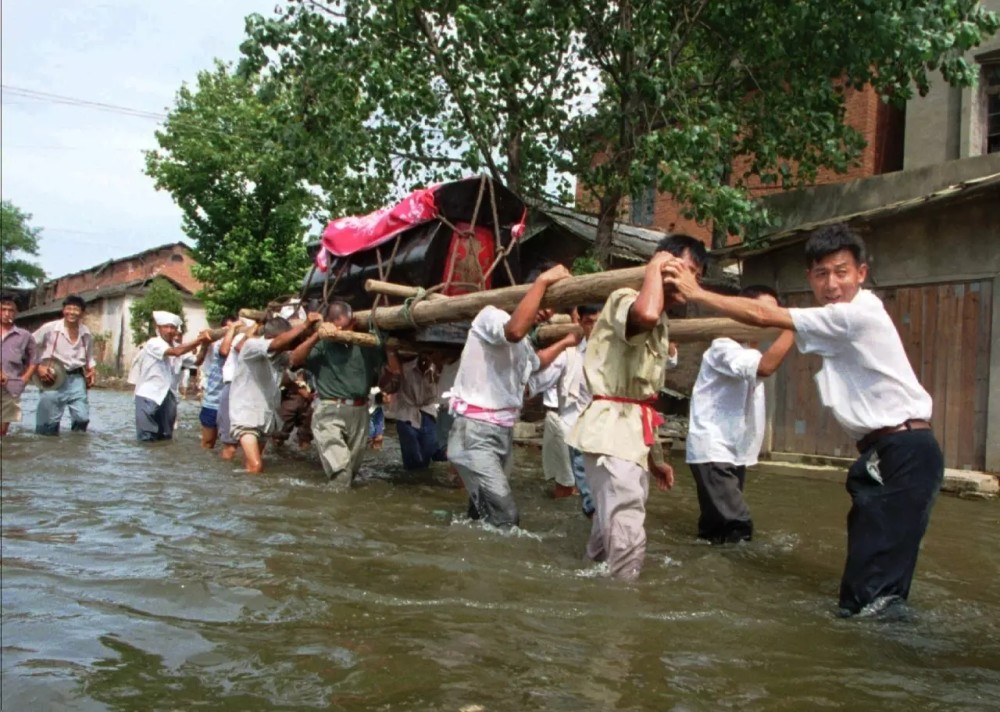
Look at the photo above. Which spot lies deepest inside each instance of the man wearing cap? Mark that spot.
(156, 382)
(65, 346)
(17, 363)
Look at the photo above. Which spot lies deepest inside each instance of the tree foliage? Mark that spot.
(160, 296)
(18, 237)
(223, 157)
(699, 98)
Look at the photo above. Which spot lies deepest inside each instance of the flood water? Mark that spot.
(160, 578)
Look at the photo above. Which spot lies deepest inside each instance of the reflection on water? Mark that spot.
(158, 577)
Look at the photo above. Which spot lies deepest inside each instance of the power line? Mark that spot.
(74, 101)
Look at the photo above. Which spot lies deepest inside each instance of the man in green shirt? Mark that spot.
(345, 374)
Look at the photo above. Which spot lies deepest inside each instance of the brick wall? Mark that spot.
(881, 126)
(173, 261)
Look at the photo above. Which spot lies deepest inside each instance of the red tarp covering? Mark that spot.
(345, 236)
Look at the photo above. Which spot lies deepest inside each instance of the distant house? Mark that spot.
(110, 289)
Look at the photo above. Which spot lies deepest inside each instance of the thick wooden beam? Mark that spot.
(567, 293)
(682, 331)
(399, 290)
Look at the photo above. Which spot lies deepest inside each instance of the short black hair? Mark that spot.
(676, 243)
(588, 309)
(276, 325)
(755, 291)
(7, 297)
(834, 238)
(74, 300)
(337, 309)
(723, 288)
(538, 269)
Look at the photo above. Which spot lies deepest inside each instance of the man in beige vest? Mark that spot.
(625, 363)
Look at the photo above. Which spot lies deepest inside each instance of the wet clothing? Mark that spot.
(618, 437)
(486, 399)
(725, 515)
(255, 393)
(72, 394)
(155, 421)
(580, 480)
(340, 430)
(53, 342)
(222, 421)
(887, 520)
(556, 462)
(617, 534)
(209, 418)
(869, 384)
(10, 407)
(419, 446)
(295, 413)
(725, 435)
(481, 452)
(566, 396)
(211, 398)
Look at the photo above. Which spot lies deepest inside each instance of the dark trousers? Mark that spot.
(888, 520)
(155, 421)
(725, 516)
(419, 447)
(295, 412)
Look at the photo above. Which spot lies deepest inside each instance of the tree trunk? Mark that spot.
(607, 215)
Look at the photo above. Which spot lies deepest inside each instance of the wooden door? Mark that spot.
(945, 329)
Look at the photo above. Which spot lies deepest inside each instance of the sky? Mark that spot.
(79, 170)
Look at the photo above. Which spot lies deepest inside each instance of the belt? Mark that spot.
(74, 371)
(874, 436)
(347, 401)
(651, 418)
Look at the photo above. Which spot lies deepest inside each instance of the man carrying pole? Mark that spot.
(869, 384)
(617, 433)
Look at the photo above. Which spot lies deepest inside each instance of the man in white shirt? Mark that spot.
(869, 384)
(255, 393)
(726, 427)
(156, 378)
(487, 397)
(236, 333)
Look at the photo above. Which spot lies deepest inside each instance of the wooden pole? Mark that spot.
(363, 338)
(399, 290)
(566, 293)
(681, 331)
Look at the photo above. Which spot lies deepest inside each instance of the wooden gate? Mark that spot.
(945, 329)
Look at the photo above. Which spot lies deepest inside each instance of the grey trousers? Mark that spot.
(619, 489)
(340, 432)
(481, 452)
(222, 421)
(725, 516)
(155, 421)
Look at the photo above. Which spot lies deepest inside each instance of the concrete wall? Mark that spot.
(947, 123)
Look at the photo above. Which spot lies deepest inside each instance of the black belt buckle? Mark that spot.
(74, 371)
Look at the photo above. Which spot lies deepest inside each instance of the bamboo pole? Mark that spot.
(565, 293)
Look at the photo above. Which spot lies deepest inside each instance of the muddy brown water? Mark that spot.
(160, 578)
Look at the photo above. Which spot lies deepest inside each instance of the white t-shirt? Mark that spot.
(255, 394)
(564, 384)
(727, 406)
(866, 379)
(154, 377)
(492, 372)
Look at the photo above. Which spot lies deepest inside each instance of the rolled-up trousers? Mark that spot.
(71, 394)
(155, 421)
(556, 460)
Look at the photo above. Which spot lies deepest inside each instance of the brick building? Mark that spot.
(109, 289)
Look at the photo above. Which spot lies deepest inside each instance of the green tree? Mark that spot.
(625, 95)
(18, 236)
(223, 158)
(160, 296)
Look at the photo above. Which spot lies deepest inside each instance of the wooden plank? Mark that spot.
(940, 332)
(984, 327)
(969, 306)
(953, 334)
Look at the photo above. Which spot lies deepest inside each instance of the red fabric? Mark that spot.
(345, 236)
(651, 418)
(466, 269)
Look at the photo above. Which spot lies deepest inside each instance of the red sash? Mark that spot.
(651, 418)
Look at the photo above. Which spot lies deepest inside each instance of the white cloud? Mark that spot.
(79, 170)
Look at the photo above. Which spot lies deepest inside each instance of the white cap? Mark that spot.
(165, 318)
(246, 321)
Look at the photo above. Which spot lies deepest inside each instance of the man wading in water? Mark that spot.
(868, 383)
(17, 363)
(625, 363)
(65, 343)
